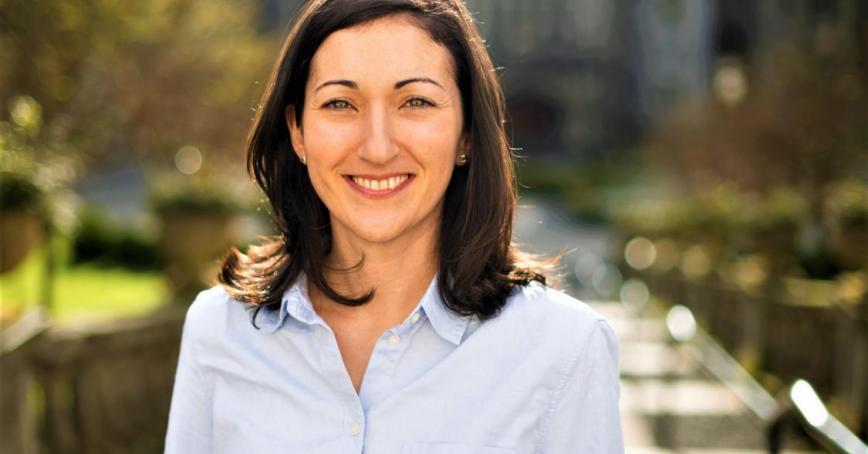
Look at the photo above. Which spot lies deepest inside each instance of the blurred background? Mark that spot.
(701, 165)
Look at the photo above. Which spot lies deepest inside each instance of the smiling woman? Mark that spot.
(392, 313)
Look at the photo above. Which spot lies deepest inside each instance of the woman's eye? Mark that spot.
(337, 104)
(419, 102)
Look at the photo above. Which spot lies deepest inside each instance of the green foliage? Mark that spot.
(150, 75)
(81, 291)
(193, 196)
(801, 126)
(193, 203)
(847, 203)
(780, 206)
(589, 188)
(18, 191)
(98, 240)
(18, 187)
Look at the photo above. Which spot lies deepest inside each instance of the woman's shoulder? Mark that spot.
(538, 302)
(551, 315)
(212, 311)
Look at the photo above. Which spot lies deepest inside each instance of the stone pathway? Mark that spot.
(670, 404)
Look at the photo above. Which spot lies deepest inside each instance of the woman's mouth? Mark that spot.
(379, 186)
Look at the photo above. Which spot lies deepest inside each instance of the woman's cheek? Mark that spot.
(331, 141)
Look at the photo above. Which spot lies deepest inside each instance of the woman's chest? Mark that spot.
(428, 397)
(426, 418)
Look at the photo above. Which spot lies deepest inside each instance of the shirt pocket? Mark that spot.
(453, 448)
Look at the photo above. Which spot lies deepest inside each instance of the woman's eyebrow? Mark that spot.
(398, 85)
(344, 82)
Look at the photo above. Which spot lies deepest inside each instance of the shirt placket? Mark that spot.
(378, 381)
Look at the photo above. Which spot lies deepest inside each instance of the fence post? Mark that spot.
(17, 420)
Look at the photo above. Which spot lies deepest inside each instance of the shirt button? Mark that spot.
(394, 339)
(355, 428)
(415, 318)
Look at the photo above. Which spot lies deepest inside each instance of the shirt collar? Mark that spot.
(296, 303)
(447, 324)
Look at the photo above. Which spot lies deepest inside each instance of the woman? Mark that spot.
(392, 314)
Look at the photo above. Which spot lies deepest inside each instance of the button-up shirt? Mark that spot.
(541, 377)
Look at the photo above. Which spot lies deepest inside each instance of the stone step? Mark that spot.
(679, 397)
(652, 450)
(639, 330)
(657, 360)
(723, 433)
(691, 414)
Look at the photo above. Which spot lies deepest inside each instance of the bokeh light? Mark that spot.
(635, 293)
(680, 322)
(640, 253)
(606, 280)
(188, 160)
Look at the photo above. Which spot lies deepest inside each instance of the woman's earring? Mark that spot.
(304, 159)
(462, 159)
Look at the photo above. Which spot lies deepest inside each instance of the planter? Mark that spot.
(190, 245)
(20, 231)
(850, 246)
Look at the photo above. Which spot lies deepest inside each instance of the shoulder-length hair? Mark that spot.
(478, 265)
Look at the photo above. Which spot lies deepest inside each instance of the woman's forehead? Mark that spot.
(393, 47)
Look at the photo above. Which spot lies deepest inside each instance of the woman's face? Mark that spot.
(381, 129)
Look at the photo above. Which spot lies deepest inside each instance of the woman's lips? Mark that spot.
(379, 186)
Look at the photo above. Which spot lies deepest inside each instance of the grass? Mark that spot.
(80, 292)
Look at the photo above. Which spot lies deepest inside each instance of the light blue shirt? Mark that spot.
(542, 377)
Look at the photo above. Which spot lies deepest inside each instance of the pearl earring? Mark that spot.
(462, 159)
(304, 159)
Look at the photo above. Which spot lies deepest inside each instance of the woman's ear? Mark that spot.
(295, 132)
(464, 147)
(465, 143)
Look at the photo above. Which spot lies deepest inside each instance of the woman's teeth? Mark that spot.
(380, 185)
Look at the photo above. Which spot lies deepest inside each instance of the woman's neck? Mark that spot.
(400, 271)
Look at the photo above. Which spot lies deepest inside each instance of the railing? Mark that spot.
(799, 402)
(100, 388)
(18, 428)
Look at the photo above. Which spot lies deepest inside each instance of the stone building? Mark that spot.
(588, 77)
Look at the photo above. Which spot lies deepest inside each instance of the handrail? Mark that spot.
(798, 402)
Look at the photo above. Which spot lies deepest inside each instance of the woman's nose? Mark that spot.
(379, 146)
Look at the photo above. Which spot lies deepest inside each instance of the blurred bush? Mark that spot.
(99, 240)
(802, 125)
(137, 77)
(18, 191)
(588, 188)
(194, 196)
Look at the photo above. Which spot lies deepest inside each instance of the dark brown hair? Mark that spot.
(478, 265)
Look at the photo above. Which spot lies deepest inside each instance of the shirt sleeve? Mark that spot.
(586, 416)
(189, 429)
